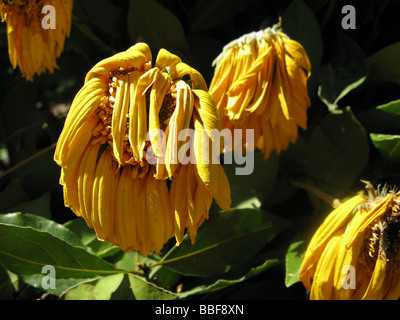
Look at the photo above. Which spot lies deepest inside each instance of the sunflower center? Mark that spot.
(383, 238)
(116, 103)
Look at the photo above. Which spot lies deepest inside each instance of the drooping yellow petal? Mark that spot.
(140, 210)
(138, 114)
(104, 185)
(159, 212)
(191, 210)
(211, 174)
(202, 203)
(126, 217)
(119, 117)
(87, 169)
(336, 220)
(252, 71)
(157, 95)
(297, 52)
(324, 274)
(135, 57)
(179, 121)
(179, 202)
(375, 290)
(379, 210)
(198, 82)
(166, 59)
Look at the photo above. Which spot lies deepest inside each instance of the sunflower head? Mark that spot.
(123, 157)
(32, 47)
(363, 233)
(260, 83)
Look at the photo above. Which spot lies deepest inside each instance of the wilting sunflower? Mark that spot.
(260, 83)
(125, 167)
(355, 253)
(32, 47)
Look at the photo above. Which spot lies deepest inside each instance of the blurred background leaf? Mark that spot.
(150, 22)
(259, 183)
(383, 66)
(208, 14)
(346, 71)
(337, 153)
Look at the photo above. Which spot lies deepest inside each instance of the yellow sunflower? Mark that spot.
(260, 83)
(355, 253)
(126, 167)
(33, 46)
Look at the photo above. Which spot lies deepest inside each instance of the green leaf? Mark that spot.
(159, 275)
(60, 231)
(24, 251)
(88, 237)
(112, 287)
(388, 146)
(150, 22)
(164, 277)
(383, 65)
(259, 184)
(224, 283)
(337, 153)
(129, 260)
(144, 290)
(382, 118)
(223, 243)
(208, 14)
(293, 261)
(346, 71)
(62, 285)
(82, 291)
(299, 23)
(105, 286)
(42, 224)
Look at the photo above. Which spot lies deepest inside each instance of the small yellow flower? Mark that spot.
(121, 155)
(31, 47)
(355, 253)
(260, 83)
